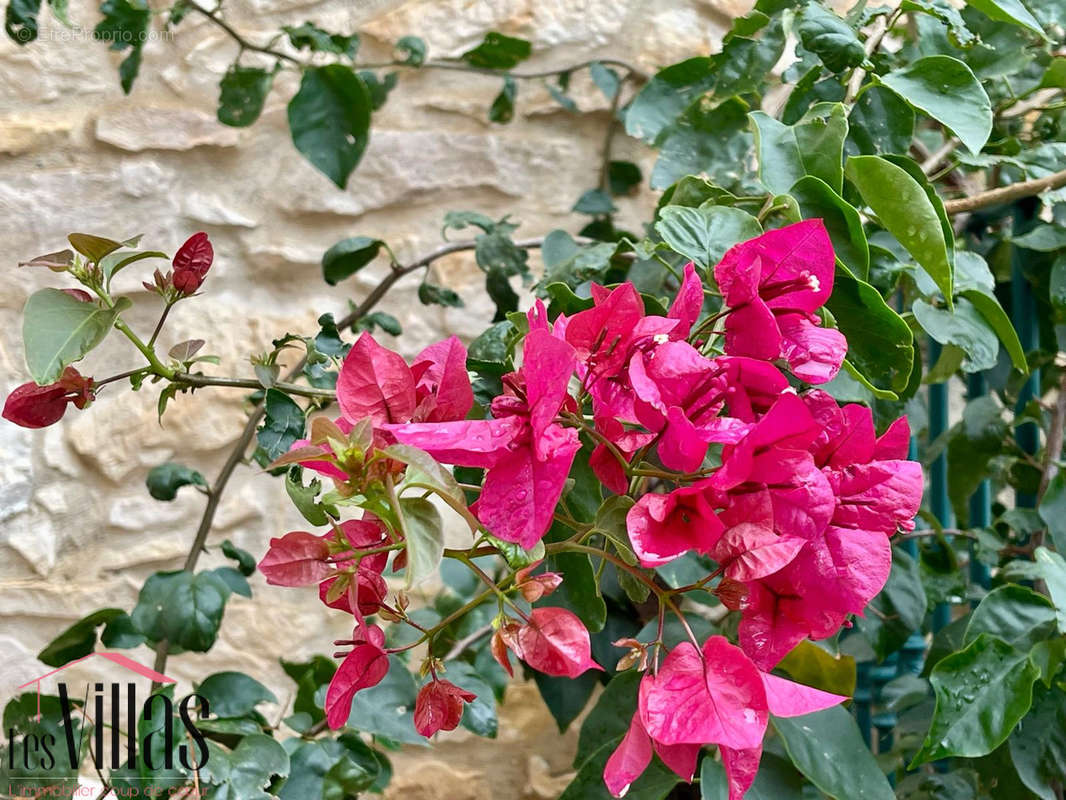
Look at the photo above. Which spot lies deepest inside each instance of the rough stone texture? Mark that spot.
(77, 529)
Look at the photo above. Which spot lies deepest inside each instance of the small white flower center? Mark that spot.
(660, 338)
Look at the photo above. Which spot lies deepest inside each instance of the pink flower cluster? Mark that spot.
(793, 496)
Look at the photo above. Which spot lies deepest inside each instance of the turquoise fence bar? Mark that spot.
(981, 500)
(939, 502)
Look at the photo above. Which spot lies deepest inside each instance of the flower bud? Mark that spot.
(191, 263)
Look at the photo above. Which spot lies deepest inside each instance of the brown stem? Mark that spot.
(1053, 449)
(1005, 194)
(198, 380)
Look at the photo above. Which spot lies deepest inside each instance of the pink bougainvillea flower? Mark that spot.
(664, 526)
(439, 707)
(191, 263)
(772, 286)
(375, 382)
(370, 587)
(528, 455)
(749, 551)
(717, 696)
(362, 668)
(601, 335)
(554, 641)
(604, 462)
(33, 406)
(442, 384)
(714, 697)
(687, 303)
(297, 559)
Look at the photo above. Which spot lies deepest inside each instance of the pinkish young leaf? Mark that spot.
(439, 707)
(296, 559)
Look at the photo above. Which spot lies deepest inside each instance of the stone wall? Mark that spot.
(78, 531)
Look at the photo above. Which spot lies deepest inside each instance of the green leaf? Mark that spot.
(497, 51)
(502, 108)
(125, 25)
(880, 122)
(163, 481)
(1038, 744)
(579, 592)
(78, 640)
(245, 560)
(414, 50)
(813, 146)
(431, 294)
(119, 633)
(1053, 510)
(329, 118)
(303, 497)
(744, 62)
(192, 611)
(20, 20)
(973, 444)
(666, 96)
(594, 201)
(965, 328)
(828, 748)
(960, 35)
(242, 93)
(234, 694)
(425, 539)
(311, 37)
(830, 38)
(947, 90)
(705, 139)
(1052, 568)
(811, 665)
(981, 693)
(94, 248)
(1042, 238)
(58, 330)
(605, 78)
(348, 256)
(479, 715)
(880, 342)
(243, 773)
(283, 424)
(1017, 615)
(989, 308)
(818, 201)
(714, 785)
(906, 212)
(623, 177)
(704, 234)
(1012, 11)
(898, 610)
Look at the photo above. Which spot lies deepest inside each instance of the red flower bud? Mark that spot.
(439, 707)
(191, 263)
(33, 406)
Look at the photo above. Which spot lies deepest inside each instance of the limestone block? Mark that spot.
(137, 129)
(16, 468)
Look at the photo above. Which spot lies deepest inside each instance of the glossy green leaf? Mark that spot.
(245, 560)
(828, 748)
(989, 308)
(830, 38)
(1052, 568)
(246, 770)
(479, 715)
(880, 122)
(283, 424)
(813, 146)
(1053, 510)
(233, 694)
(78, 640)
(1042, 238)
(424, 535)
(303, 497)
(947, 90)
(242, 93)
(817, 200)
(329, 118)
(163, 481)
(905, 211)
(1012, 11)
(704, 234)
(1038, 744)
(1017, 615)
(20, 20)
(965, 328)
(125, 25)
(497, 51)
(705, 139)
(811, 665)
(880, 343)
(973, 443)
(666, 96)
(58, 330)
(981, 692)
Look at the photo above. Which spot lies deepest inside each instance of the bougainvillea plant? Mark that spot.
(688, 469)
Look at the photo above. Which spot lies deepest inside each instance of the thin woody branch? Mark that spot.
(1005, 194)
